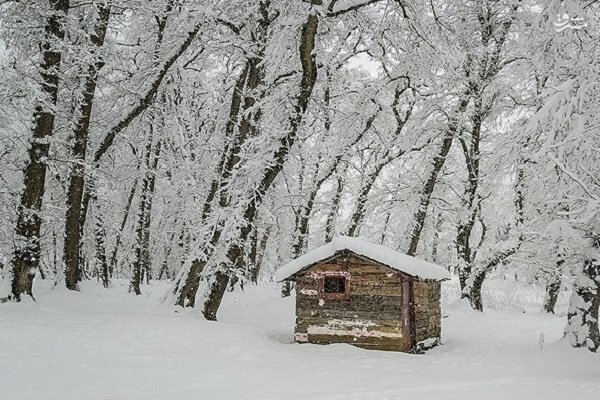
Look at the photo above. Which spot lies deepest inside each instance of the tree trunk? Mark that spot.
(167, 248)
(436, 168)
(330, 225)
(218, 285)
(113, 256)
(100, 242)
(54, 254)
(286, 289)
(384, 231)
(164, 268)
(359, 212)
(553, 286)
(26, 258)
(301, 230)
(302, 225)
(234, 258)
(142, 261)
(488, 65)
(143, 104)
(73, 232)
(358, 216)
(259, 255)
(247, 92)
(186, 286)
(435, 245)
(227, 157)
(146, 216)
(474, 296)
(474, 283)
(466, 223)
(582, 319)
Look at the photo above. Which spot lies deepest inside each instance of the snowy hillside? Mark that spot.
(107, 344)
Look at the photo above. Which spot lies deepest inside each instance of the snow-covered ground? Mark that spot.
(107, 344)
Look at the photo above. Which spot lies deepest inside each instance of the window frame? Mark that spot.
(345, 295)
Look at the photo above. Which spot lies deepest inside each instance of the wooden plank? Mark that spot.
(354, 303)
(373, 343)
(369, 269)
(365, 290)
(375, 281)
(353, 269)
(383, 346)
(350, 324)
(350, 314)
(329, 267)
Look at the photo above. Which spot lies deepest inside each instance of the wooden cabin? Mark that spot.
(353, 291)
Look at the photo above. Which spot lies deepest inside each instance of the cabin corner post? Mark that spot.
(408, 314)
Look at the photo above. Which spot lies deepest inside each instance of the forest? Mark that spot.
(202, 144)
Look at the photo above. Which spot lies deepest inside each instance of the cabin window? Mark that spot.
(334, 286)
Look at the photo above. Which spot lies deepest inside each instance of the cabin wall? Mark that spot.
(428, 318)
(370, 317)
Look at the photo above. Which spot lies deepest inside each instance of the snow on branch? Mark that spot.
(565, 21)
(332, 12)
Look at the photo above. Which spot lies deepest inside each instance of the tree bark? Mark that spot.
(27, 255)
(553, 286)
(142, 261)
(582, 319)
(474, 296)
(330, 224)
(387, 157)
(488, 66)
(187, 287)
(474, 284)
(113, 256)
(73, 232)
(302, 225)
(100, 244)
(247, 92)
(259, 255)
(436, 167)
(234, 254)
(227, 157)
(358, 215)
(384, 231)
(466, 224)
(305, 212)
(144, 103)
(435, 245)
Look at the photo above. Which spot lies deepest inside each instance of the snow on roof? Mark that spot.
(410, 265)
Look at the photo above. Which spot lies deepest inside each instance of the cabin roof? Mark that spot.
(399, 261)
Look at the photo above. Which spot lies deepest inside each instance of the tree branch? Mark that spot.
(233, 27)
(331, 13)
(148, 98)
